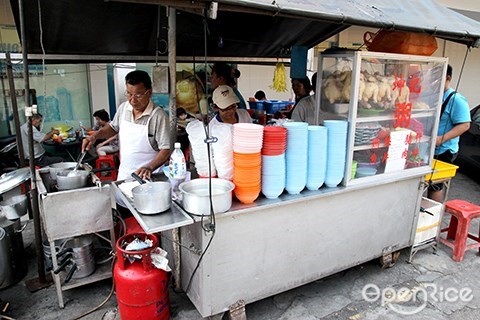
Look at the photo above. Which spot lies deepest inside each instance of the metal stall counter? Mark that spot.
(72, 217)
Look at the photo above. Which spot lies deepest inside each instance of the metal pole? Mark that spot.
(33, 189)
(172, 63)
(16, 118)
(172, 56)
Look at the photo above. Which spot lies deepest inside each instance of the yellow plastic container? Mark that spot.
(441, 170)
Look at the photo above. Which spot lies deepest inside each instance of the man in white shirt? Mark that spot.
(40, 157)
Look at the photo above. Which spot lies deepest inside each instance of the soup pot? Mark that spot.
(152, 197)
(61, 166)
(69, 179)
(15, 207)
(196, 195)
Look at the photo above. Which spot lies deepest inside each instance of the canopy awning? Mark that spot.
(123, 30)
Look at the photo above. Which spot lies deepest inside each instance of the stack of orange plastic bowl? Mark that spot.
(273, 161)
(247, 161)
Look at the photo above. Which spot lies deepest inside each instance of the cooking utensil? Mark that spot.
(196, 197)
(152, 197)
(79, 162)
(67, 179)
(15, 207)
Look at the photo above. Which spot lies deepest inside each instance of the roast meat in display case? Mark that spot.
(392, 102)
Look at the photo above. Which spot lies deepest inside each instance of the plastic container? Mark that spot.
(441, 170)
(272, 106)
(177, 164)
(256, 105)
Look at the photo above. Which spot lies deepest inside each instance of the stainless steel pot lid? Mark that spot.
(10, 180)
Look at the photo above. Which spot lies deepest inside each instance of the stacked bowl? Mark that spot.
(273, 161)
(196, 136)
(317, 157)
(296, 156)
(223, 150)
(247, 161)
(336, 151)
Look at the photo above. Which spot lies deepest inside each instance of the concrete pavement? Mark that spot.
(364, 292)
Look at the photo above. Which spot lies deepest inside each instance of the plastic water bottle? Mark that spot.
(82, 129)
(177, 164)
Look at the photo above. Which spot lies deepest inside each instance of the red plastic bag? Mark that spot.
(400, 42)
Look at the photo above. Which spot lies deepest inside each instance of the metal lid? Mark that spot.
(10, 180)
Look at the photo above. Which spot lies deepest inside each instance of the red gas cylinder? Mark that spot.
(142, 289)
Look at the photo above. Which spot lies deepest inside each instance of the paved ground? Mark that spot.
(336, 297)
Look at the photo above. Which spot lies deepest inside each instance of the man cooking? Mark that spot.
(142, 129)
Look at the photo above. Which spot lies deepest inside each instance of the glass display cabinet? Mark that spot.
(392, 103)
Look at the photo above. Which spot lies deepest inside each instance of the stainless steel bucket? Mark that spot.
(15, 207)
(12, 252)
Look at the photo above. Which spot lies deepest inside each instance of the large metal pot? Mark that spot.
(69, 179)
(61, 166)
(152, 197)
(196, 198)
(15, 207)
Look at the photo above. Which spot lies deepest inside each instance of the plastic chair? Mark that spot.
(462, 213)
(110, 161)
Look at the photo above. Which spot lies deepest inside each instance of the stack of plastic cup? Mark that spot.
(273, 161)
(336, 151)
(247, 161)
(223, 150)
(296, 156)
(196, 136)
(317, 157)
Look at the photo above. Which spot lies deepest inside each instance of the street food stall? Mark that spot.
(259, 249)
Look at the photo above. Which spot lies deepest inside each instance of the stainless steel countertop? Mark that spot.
(178, 217)
(151, 223)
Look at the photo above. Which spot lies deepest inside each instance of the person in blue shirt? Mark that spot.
(224, 74)
(454, 120)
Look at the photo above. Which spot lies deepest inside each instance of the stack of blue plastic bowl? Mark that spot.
(296, 156)
(273, 175)
(317, 157)
(336, 151)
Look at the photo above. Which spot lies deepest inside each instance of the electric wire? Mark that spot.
(211, 225)
(43, 49)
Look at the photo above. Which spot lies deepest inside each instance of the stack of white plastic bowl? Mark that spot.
(247, 161)
(196, 136)
(336, 151)
(223, 150)
(296, 156)
(317, 157)
(273, 161)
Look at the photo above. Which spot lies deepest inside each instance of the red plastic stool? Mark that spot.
(109, 160)
(462, 212)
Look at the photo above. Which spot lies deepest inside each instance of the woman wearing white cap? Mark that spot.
(225, 102)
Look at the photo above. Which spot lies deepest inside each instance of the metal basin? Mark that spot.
(15, 207)
(69, 179)
(196, 198)
(152, 197)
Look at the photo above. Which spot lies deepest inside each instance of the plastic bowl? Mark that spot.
(365, 172)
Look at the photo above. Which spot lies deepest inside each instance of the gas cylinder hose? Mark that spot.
(106, 299)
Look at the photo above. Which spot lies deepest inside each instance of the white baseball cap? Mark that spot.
(224, 97)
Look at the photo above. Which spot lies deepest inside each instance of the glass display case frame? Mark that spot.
(392, 103)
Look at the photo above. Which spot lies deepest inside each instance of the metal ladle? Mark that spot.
(79, 162)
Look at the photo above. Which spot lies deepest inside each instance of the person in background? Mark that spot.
(305, 109)
(223, 74)
(111, 144)
(260, 95)
(454, 120)
(301, 88)
(41, 158)
(142, 129)
(225, 102)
